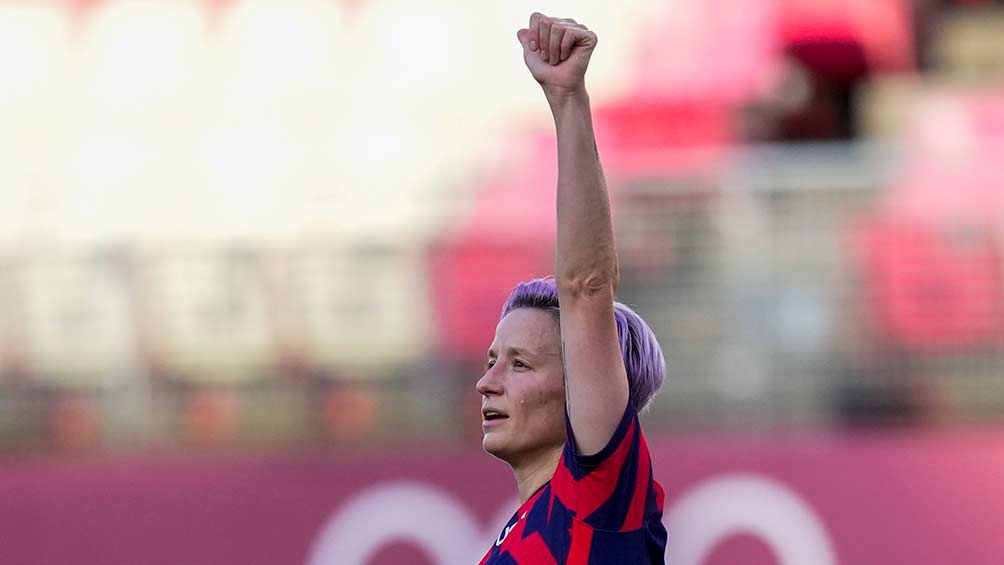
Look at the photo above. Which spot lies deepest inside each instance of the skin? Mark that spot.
(525, 381)
(557, 53)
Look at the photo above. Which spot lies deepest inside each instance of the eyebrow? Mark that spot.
(517, 352)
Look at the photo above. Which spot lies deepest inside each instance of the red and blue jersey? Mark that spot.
(598, 509)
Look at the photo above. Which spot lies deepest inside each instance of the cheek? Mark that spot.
(542, 394)
(547, 405)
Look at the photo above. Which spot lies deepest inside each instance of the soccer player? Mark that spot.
(564, 385)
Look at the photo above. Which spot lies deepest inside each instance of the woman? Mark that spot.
(563, 387)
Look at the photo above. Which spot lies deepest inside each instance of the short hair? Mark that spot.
(643, 359)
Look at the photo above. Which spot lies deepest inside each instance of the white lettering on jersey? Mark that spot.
(505, 532)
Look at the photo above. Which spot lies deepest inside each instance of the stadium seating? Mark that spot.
(206, 318)
(74, 320)
(355, 310)
(930, 289)
(334, 235)
(968, 49)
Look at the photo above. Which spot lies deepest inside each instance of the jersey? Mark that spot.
(599, 509)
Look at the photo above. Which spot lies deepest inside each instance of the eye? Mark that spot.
(519, 364)
(489, 364)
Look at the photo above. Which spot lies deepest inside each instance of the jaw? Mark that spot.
(499, 444)
(506, 443)
(494, 443)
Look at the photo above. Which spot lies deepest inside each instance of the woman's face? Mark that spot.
(523, 388)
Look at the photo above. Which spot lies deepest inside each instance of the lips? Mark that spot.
(493, 415)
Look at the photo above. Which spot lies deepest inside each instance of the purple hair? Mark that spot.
(643, 360)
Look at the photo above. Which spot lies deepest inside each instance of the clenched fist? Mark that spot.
(557, 52)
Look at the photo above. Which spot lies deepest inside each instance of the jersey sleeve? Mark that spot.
(608, 490)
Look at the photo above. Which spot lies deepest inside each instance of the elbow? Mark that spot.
(589, 283)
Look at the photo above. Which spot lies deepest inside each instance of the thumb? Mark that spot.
(523, 36)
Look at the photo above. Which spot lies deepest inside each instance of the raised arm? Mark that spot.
(557, 52)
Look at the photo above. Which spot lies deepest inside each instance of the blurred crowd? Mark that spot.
(809, 212)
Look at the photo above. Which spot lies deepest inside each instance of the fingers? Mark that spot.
(534, 30)
(523, 36)
(554, 30)
(552, 38)
(566, 45)
(554, 45)
(544, 41)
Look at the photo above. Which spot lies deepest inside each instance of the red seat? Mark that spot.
(471, 278)
(507, 238)
(882, 29)
(642, 136)
(929, 288)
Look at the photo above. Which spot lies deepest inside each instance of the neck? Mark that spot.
(532, 473)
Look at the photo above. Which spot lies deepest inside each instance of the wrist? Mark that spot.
(561, 98)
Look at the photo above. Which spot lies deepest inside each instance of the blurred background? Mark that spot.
(239, 235)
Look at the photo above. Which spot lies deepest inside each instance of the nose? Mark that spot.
(490, 384)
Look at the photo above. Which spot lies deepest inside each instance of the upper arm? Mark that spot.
(596, 385)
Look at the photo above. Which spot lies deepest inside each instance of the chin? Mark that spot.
(494, 445)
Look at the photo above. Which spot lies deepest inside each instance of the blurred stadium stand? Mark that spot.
(813, 228)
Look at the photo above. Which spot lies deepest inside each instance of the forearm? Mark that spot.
(596, 384)
(585, 258)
